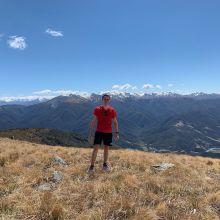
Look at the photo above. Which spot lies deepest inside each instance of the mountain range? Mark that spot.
(158, 122)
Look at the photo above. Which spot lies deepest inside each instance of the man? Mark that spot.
(103, 116)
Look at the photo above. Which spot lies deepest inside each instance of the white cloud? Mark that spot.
(150, 86)
(43, 92)
(121, 93)
(122, 87)
(54, 33)
(170, 85)
(158, 86)
(17, 42)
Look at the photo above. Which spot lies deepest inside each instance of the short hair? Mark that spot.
(105, 95)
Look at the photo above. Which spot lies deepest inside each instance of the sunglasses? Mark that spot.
(105, 112)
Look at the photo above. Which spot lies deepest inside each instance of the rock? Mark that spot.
(193, 211)
(162, 166)
(57, 176)
(45, 186)
(59, 160)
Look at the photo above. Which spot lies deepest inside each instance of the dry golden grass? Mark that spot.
(132, 190)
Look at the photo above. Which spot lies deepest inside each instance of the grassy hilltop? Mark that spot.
(132, 190)
(46, 136)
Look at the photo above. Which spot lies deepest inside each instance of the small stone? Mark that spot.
(57, 176)
(162, 166)
(45, 186)
(60, 161)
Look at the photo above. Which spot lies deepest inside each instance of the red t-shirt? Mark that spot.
(104, 118)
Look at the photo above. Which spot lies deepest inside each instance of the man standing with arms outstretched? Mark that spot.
(103, 117)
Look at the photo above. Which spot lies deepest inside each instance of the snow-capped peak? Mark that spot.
(115, 94)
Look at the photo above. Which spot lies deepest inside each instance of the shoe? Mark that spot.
(91, 169)
(106, 167)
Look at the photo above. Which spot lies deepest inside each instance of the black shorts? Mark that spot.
(105, 137)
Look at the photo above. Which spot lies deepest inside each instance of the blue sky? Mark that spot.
(98, 45)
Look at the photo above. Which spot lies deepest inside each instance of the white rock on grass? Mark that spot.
(45, 186)
(59, 160)
(162, 166)
(56, 177)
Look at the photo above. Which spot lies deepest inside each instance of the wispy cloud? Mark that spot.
(54, 33)
(120, 93)
(43, 92)
(158, 86)
(17, 42)
(170, 85)
(150, 86)
(123, 87)
(128, 86)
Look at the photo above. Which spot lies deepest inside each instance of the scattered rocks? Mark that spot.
(59, 160)
(56, 177)
(162, 166)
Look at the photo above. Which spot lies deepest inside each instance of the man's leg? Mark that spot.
(107, 143)
(97, 143)
(106, 149)
(94, 154)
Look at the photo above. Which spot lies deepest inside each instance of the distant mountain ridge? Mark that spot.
(166, 122)
(46, 136)
(23, 100)
(93, 96)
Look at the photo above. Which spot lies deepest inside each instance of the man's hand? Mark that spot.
(116, 137)
(90, 139)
